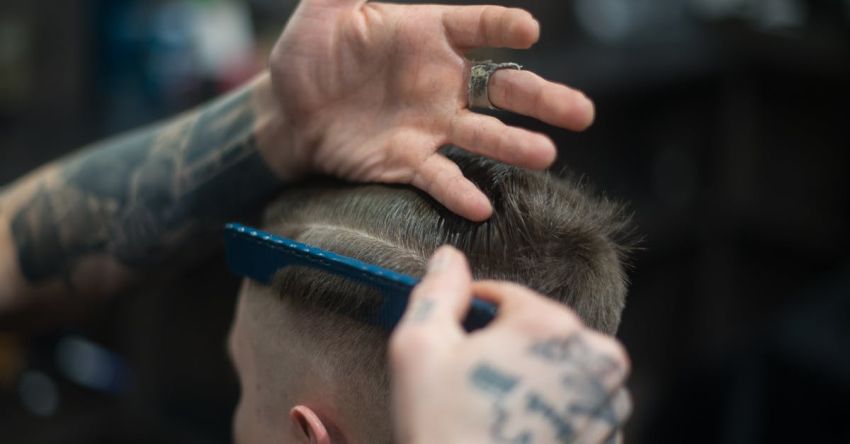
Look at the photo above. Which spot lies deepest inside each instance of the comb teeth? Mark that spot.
(258, 255)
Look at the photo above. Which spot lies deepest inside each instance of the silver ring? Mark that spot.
(479, 81)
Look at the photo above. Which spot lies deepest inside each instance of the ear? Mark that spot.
(312, 428)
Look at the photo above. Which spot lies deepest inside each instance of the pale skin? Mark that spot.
(362, 91)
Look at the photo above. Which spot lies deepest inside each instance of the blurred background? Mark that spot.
(722, 123)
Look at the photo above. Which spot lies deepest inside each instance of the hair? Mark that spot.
(547, 233)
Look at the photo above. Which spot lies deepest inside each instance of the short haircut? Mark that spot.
(546, 232)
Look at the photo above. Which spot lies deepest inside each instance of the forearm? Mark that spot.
(139, 204)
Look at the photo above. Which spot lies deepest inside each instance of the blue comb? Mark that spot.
(258, 255)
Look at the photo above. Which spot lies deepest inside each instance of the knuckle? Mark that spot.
(608, 356)
(616, 353)
(399, 150)
(495, 15)
(539, 93)
(626, 403)
(504, 89)
(502, 145)
(544, 321)
(484, 23)
(431, 177)
(562, 316)
(476, 134)
(493, 12)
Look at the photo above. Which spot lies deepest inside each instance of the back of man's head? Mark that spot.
(545, 233)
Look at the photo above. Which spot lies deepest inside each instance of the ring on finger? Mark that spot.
(479, 81)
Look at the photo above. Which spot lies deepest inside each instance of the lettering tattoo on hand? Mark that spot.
(499, 384)
(564, 432)
(582, 373)
(573, 350)
(492, 380)
(585, 375)
(154, 198)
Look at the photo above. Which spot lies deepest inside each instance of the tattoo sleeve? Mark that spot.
(150, 201)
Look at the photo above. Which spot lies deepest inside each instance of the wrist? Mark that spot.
(276, 138)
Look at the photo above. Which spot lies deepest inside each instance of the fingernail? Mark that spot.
(440, 260)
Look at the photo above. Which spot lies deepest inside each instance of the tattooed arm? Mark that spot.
(534, 375)
(365, 91)
(139, 204)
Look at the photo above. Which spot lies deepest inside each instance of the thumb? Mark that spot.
(432, 320)
(443, 296)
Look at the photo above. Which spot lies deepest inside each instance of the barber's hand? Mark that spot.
(370, 91)
(535, 374)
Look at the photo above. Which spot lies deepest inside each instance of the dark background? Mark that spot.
(722, 123)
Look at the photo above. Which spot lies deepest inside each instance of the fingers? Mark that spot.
(521, 306)
(488, 136)
(603, 427)
(471, 27)
(616, 438)
(423, 342)
(444, 181)
(507, 295)
(614, 362)
(443, 295)
(437, 305)
(526, 93)
(599, 368)
(526, 310)
(592, 365)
